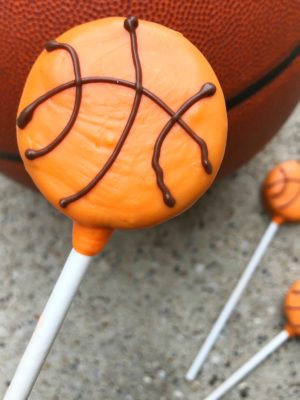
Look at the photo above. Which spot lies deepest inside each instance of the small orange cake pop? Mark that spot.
(281, 191)
(291, 329)
(292, 309)
(122, 124)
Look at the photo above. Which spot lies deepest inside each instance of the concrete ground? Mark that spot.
(150, 299)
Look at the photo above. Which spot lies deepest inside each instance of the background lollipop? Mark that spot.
(281, 193)
(254, 75)
(110, 140)
(292, 329)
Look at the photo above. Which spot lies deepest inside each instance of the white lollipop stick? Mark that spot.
(249, 366)
(232, 301)
(48, 326)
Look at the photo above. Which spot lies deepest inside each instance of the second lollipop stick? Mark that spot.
(232, 301)
(276, 342)
(292, 329)
(281, 194)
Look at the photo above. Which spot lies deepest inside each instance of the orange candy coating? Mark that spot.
(281, 191)
(127, 196)
(292, 309)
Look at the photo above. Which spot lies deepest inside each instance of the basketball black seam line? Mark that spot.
(230, 103)
(10, 156)
(264, 81)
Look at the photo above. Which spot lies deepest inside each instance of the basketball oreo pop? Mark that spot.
(122, 125)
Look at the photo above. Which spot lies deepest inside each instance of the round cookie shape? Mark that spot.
(292, 309)
(281, 191)
(122, 123)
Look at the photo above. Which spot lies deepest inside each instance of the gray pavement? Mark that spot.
(149, 300)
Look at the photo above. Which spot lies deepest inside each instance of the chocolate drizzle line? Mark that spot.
(293, 308)
(130, 25)
(207, 90)
(26, 116)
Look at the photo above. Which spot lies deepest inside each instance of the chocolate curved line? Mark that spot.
(275, 183)
(27, 113)
(288, 203)
(130, 24)
(294, 325)
(292, 308)
(285, 180)
(130, 85)
(207, 90)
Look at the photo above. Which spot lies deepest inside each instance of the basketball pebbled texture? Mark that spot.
(253, 46)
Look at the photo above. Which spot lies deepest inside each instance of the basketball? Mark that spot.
(252, 46)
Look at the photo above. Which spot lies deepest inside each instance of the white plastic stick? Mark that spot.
(249, 366)
(48, 326)
(232, 301)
